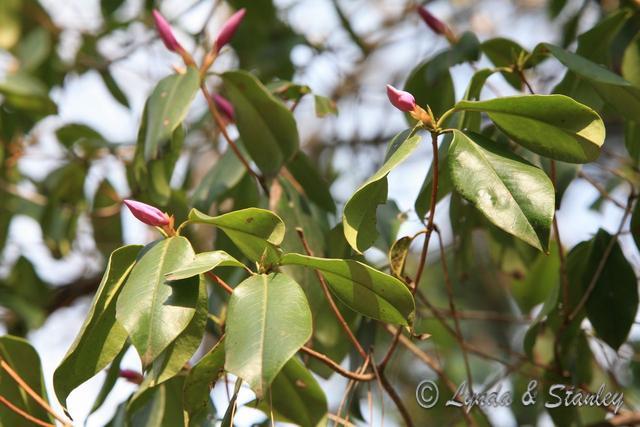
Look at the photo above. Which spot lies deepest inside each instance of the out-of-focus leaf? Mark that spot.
(114, 88)
(267, 323)
(359, 215)
(615, 286)
(33, 49)
(166, 108)
(153, 311)
(632, 141)
(324, 106)
(225, 174)
(314, 185)
(362, 288)
(26, 93)
(295, 396)
(105, 218)
(266, 126)
(631, 62)
(511, 193)
(101, 337)
(201, 379)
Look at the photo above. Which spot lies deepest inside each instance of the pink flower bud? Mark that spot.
(165, 32)
(224, 106)
(131, 376)
(400, 99)
(436, 25)
(147, 214)
(229, 28)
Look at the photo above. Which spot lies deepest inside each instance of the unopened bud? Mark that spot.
(131, 376)
(400, 99)
(224, 106)
(165, 32)
(148, 214)
(436, 25)
(229, 28)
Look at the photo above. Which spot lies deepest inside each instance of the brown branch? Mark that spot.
(23, 414)
(336, 367)
(327, 294)
(35, 396)
(396, 399)
(224, 285)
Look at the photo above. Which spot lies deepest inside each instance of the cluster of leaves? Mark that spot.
(502, 164)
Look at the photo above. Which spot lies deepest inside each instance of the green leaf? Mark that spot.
(471, 120)
(204, 262)
(616, 286)
(159, 406)
(398, 255)
(296, 397)
(266, 126)
(152, 310)
(101, 337)
(26, 93)
(24, 360)
(362, 288)
(632, 141)
(114, 88)
(554, 126)
(225, 174)
(324, 106)
(267, 323)
(631, 62)
(359, 215)
(513, 194)
(173, 359)
(314, 185)
(256, 232)
(201, 379)
(166, 108)
(505, 53)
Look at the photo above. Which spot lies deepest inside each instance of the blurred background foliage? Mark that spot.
(75, 76)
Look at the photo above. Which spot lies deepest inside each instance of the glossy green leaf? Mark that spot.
(504, 52)
(554, 126)
(266, 126)
(166, 108)
(472, 120)
(201, 379)
(296, 397)
(362, 288)
(204, 262)
(101, 337)
(513, 194)
(267, 323)
(24, 360)
(256, 232)
(159, 406)
(359, 215)
(173, 359)
(423, 201)
(152, 310)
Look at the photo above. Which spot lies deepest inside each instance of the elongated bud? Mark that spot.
(165, 32)
(147, 213)
(224, 106)
(400, 99)
(229, 28)
(131, 376)
(436, 25)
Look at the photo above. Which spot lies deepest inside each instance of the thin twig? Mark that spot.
(350, 385)
(327, 294)
(564, 275)
(452, 307)
(24, 414)
(23, 385)
(224, 285)
(335, 366)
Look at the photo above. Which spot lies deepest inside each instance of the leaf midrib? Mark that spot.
(156, 289)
